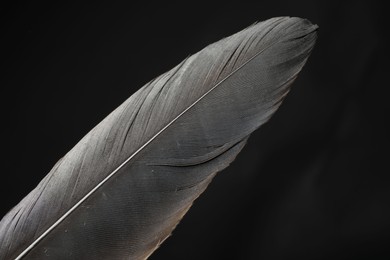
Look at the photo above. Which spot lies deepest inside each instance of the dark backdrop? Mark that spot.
(312, 183)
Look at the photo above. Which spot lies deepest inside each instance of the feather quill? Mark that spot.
(120, 192)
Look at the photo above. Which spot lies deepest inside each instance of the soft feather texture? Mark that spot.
(125, 186)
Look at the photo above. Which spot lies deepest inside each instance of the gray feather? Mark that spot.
(120, 192)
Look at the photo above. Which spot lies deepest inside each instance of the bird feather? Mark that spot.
(123, 188)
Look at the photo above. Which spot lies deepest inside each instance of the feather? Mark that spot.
(120, 192)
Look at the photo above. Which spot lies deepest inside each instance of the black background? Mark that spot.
(312, 183)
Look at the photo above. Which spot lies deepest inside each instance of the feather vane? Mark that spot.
(120, 192)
